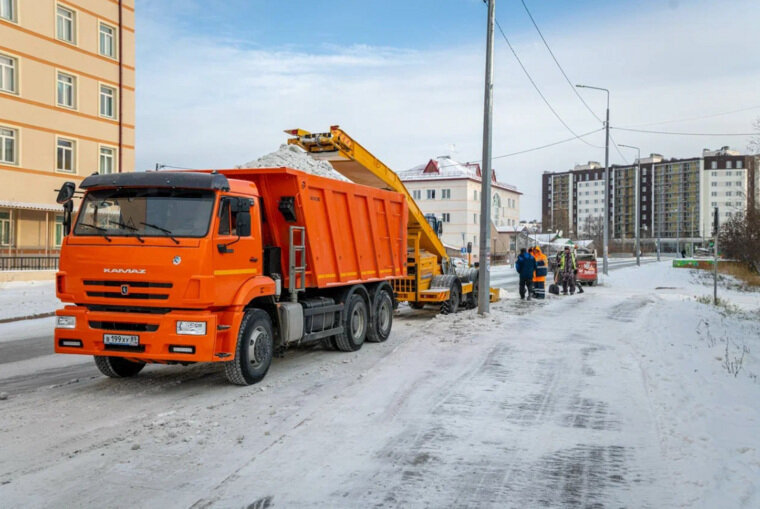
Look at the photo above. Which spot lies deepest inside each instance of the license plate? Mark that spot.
(121, 340)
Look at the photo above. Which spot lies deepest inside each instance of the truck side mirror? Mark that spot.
(66, 193)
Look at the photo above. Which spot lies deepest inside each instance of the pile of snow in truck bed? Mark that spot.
(294, 156)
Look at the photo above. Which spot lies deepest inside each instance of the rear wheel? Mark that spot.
(355, 325)
(254, 350)
(117, 367)
(452, 305)
(382, 319)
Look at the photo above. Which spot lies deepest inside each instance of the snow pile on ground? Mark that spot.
(21, 299)
(294, 156)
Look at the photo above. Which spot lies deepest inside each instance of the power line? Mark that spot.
(538, 89)
(569, 82)
(511, 154)
(618, 150)
(681, 134)
(712, 115)
(549, 144)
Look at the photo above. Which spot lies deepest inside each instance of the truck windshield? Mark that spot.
(130, 212)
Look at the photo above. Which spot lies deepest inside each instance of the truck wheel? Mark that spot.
(355, 322)
(452, 305)
(416, 305)
(253, 353)
(382, 319)
(117, 367)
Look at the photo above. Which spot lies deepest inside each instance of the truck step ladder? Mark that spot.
(296, 262)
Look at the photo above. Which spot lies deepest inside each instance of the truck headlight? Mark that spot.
(191, 328)
(65, 322)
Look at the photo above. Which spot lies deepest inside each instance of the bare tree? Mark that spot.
(740, 238)
(753, 147)
(593, 228)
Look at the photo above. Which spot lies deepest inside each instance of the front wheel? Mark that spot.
(253, 353)
(118, 367)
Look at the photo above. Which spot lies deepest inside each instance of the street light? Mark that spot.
(606, 178)
(636, 200)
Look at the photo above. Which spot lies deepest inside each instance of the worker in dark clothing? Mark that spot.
(525, 266)
(567, 268)
(578, 285)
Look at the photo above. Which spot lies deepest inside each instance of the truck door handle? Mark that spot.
(253, 259)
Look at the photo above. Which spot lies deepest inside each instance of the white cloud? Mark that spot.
(205, 102)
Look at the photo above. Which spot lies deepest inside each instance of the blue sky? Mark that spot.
(216, 85)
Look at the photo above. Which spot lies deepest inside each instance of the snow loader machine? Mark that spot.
(431, 278)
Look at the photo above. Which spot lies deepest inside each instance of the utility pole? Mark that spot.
(484, 279)
(637, 180)
(660, 213)
(605, 265)
(715, 258)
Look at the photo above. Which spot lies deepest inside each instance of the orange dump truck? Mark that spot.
(227, 266)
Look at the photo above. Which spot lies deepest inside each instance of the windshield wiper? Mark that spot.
(94, 227)
(167, 232)
(128, 227)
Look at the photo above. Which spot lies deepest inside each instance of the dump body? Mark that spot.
(353, 233)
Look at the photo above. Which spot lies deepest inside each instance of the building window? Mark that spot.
(107, 38)
(8, 10)
(739, 164)
(5, 229)
(66, 90)
(58, 231)
(714, 193)
(65, 24)
(431, 194)
(446, 217)
(714, 204)
(739, 183)
(416, 194)
(107, 158)
(475, 218)
(107, 101)
(713, 184)
(714, 165)
(475, 195)
(8, 74)
(65, 153)
(729, 164)
(8, 144)
(446, 194)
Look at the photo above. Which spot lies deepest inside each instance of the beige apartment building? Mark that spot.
(67, 110)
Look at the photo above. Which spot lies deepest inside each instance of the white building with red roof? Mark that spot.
(451, 190)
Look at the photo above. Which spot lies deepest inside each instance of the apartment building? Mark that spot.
(571, 199)
(677, 196)
(67, 110)
(451, 190)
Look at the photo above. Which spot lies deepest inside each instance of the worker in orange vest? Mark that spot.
(539, 276)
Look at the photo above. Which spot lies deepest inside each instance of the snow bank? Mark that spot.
(293, 156)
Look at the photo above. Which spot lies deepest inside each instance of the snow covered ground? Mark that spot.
(27, 298)
(633, 394)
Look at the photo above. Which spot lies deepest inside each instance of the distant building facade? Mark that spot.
(677, 196)
(451, 190)
(67, 109)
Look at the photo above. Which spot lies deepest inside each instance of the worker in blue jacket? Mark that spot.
(525, 266)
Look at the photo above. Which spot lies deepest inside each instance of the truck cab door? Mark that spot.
(237, 248)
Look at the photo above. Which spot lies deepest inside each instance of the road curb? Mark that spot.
(28, 317)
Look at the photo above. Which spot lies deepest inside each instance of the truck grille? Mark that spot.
(125, 289)
(124, 326)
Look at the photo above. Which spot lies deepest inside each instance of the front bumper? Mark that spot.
(157, 335)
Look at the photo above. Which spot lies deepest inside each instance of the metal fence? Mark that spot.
(28, 263)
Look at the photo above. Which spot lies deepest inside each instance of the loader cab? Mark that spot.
(435, 223)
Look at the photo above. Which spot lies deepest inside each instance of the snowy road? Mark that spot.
(581, 401)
